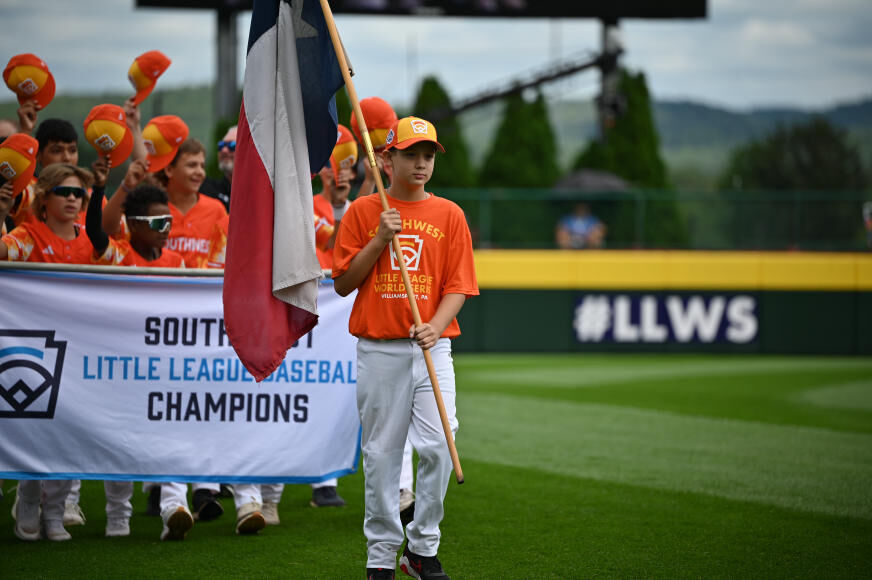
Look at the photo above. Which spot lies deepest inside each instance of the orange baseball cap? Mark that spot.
(410, 130)
(29, 78)
(345, 152)
(144, 72)
(106, 129)
(18, 160)
(162, 137)
(378, 116)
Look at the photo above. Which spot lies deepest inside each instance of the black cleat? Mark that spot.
(379, 574)
(326, 497)
(152, 508)
(206, 505)
(421, 567)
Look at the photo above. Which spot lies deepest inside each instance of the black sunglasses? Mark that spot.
(229, 144)
(67, 190)
(159, 223)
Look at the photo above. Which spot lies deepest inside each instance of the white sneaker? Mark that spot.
(73, 515)
(55, 531)
(26, 517)
(117, 527)
(177, 522)
(249, 520)
(270, 513)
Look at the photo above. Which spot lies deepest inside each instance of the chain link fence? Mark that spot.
(764, 220)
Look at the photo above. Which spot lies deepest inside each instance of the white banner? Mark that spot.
(124, 377)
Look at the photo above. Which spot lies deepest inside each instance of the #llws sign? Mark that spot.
(123, 377)
(659, 318)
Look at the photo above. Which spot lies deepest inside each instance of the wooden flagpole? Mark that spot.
(416, 315)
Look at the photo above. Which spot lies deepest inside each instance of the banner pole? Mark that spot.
(416, 315)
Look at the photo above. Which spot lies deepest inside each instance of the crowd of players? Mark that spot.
(166, 213)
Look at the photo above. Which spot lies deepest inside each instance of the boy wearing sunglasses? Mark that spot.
(149, 221)
(220, 188)
(54, 235)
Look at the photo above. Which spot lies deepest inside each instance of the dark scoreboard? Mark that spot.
(610, 10)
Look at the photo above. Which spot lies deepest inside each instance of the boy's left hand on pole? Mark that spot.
(425, 335)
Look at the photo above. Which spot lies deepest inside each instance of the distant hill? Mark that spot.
(696, 139)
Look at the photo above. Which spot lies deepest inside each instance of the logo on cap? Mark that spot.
(105, 142)
(149, 146)
(419, 126)
(7, 171)
(390, 138)
(28, 87)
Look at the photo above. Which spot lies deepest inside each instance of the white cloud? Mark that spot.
(763, 33)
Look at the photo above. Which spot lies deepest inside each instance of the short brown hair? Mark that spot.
(54, 175)
(188, 146)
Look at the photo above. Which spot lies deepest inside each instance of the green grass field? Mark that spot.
(576, 466)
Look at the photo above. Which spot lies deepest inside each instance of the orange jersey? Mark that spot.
(219, 243)
(324, 225)
(437, 250)
(23, 211)
(35, 242)
(192, 235)
(121, 253)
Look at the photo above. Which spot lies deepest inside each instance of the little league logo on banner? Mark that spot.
(133, 377)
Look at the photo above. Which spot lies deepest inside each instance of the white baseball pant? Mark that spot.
(395, 400)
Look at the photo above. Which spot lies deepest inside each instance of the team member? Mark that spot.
(394, 394)
(380, 118)
(330, 205)
(55, 235)
(194, 215)
(58, 143)
(148, 217)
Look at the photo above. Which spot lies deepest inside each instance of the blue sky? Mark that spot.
(748, 53)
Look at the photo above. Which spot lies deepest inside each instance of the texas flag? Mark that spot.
(287, 130)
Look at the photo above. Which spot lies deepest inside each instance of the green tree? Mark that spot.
(523, 157)
(453, 168)
(821, 168)
(631, 149)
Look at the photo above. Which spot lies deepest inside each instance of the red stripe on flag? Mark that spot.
(260, 327)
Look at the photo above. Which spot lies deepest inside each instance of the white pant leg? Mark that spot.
(54, 498)
(30, 491)
(118, 494)
(384, 403)
(216, 487)
(428, 438)
(75, 492)
(407, 480)
(272, 492)
(244, 493)
(327, 483)
(172, 495)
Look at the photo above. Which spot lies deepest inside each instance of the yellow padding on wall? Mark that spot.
(646, 270)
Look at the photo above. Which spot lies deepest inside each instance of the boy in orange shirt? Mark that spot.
(394, 394)
(330, 205)
(54, 235)
(148, 219)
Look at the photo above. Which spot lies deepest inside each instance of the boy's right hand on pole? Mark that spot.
(390, 224)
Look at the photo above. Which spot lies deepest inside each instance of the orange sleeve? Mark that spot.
(19, 245)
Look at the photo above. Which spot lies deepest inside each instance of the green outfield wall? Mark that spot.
(652, 301)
